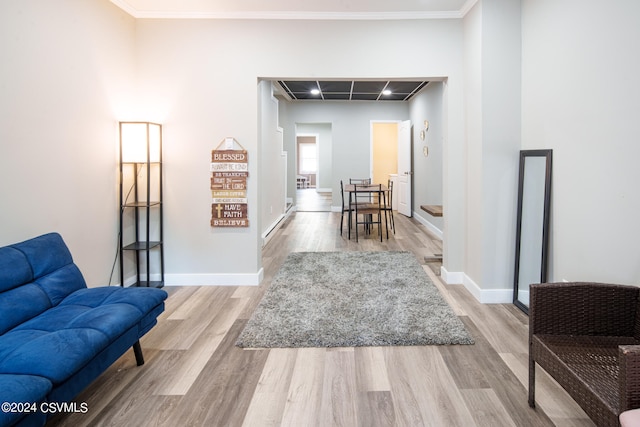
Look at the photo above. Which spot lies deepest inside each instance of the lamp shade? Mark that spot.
(140, 142)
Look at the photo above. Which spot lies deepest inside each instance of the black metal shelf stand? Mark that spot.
(147, 164)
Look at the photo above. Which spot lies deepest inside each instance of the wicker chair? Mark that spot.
(586, 336)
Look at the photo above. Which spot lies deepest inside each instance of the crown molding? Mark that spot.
(122, 4)
(310, 16)
(298, 15)
(467, 7)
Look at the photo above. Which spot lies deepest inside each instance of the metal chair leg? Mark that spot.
(137, 350)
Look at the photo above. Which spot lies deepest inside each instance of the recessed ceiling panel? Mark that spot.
(335, 86)
(333, 96)
(368, 87)
(404, 87)
(352, 90)
(300, 86)
(393, 97)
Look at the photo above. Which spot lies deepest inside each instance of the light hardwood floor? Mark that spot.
(310, 200)
(195, 376)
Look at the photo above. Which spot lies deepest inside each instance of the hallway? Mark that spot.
(309, 200)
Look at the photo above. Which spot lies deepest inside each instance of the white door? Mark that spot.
(404, 168)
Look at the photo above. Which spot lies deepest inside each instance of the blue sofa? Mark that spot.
(57, 335)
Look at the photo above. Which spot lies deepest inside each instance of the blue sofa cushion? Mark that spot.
(14, 269)
(143, 299)
(34, 276)
(63, 339)
(21, 304)
(52, 266)
(45, 253)
(54, 355)
(21, 389)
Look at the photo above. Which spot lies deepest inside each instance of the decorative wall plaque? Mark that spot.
(229, 173)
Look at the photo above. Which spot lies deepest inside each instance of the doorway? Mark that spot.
(391, 161)
(307, 161)
(313, 167)
(384, 140)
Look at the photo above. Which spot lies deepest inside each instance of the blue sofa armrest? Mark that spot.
(21, 397)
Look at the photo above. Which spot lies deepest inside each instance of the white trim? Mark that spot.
(266, 236)
(324, 190)
(249, 279)
(122, 4)
(295, 15)
(435, 230)
(497, 296)
(484, 296)
(336, 209)
(467, 7)
(451, 278)
(472, 287)
(132, 280)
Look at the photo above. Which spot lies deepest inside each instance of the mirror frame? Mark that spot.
(547, 154)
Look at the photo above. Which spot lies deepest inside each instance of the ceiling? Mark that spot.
(296, 9)
(316, 10)
(350, 90)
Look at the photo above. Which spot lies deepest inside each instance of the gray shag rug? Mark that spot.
(351, 299)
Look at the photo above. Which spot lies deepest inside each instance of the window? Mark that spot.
(307, 158)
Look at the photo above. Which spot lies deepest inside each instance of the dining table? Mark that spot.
(371, 189)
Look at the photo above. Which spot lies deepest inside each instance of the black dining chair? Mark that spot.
(387, 207)
(369, 210)
(360, 181)
(346, 208)
(362, 198)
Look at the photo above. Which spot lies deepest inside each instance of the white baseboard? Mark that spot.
(451, 278)
(324, 190)
(484, 296)
(132, 280)
(249, 279)
(272, 227)
(435, 230)
(268, 234)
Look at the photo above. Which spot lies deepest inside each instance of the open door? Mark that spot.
(404, 168)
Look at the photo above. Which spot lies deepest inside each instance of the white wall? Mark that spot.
(427, 171)
(580, 97)
(67, 75)
(473, 150)
(492, 67)
(273, 161)
(501, 87)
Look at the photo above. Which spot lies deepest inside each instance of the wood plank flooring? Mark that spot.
(310, 200)
(195, 376)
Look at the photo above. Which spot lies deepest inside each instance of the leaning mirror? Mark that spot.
(532, 230)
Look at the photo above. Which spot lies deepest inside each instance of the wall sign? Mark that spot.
(229, 173)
